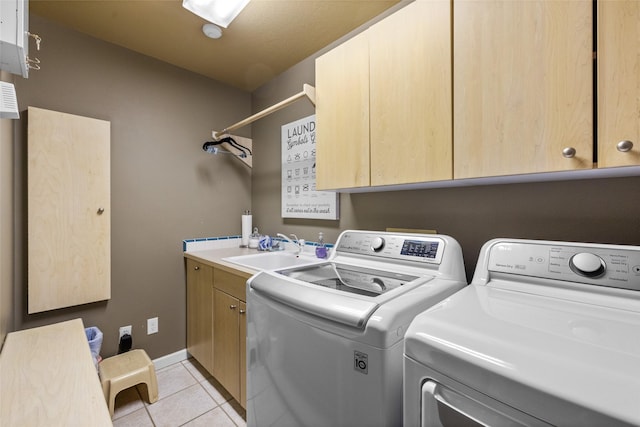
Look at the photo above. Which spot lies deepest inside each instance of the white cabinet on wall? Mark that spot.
(14, 36)
(69, 210)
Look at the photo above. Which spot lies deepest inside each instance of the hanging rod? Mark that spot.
(307, 90)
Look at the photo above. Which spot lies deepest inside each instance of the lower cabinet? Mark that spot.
(229, 332)
(226, 350)
(200, 313)
(243, 354)
(216, 324)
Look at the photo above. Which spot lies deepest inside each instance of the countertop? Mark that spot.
(48, 378)
(213, 257)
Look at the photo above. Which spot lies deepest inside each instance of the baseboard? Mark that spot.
(170, 359)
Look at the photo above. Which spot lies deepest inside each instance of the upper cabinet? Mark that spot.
(447, 90)
(523, 95)
(410, 95)
(383, 102)
(618, 83)
(342, 115)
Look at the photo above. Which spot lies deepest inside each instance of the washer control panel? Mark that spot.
(416, 248)
(606, 265)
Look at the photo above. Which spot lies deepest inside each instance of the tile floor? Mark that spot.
(187, 396)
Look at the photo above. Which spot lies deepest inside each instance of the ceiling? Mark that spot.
(267, 38)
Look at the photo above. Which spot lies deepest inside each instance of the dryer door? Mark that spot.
(444, 407)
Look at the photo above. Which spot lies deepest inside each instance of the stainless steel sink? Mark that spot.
(271, 260)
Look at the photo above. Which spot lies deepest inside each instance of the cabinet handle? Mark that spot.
(101, 210)
(233, 307)
(196, 268)
(624, 146)
(569, 152)
(242, 311)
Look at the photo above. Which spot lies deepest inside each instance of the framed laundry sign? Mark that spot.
(299, 196)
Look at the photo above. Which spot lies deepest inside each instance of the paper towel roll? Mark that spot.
(246, 229)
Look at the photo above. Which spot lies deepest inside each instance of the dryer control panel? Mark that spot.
(605, 265)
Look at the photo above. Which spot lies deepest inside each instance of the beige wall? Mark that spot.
(6, 222)
(164, 188)
(601, 210)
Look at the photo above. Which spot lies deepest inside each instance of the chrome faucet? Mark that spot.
(298, 242)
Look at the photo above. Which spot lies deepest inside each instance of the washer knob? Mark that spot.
(377, 244)
(587, 264)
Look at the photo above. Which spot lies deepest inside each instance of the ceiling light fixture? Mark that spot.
(212, 31)
(220, 12)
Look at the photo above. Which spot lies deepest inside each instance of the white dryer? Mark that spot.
(548, 333)
(324, 341)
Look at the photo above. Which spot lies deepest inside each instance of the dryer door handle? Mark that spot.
(435, 414)
(443, 407)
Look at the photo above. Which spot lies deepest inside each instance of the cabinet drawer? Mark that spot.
(230, 283)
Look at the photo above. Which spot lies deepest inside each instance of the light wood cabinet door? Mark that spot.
(226, 350)
(618, 82)
(522, 83)
(69, 210)
(342, 116)
(410, 97)
(243, 354)
(200, 313)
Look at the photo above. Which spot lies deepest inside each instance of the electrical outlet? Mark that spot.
(125, 330)
(152, 326)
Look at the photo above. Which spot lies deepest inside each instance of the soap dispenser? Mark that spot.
(321, 249)
(254, 239)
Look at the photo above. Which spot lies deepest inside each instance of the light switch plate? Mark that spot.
(152, 326)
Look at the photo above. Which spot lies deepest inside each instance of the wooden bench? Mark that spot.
(47, 377)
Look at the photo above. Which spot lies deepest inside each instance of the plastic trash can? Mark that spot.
(94, 336)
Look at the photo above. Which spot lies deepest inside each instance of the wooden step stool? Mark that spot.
(126, 370)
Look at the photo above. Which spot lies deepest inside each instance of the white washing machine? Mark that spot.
(547, 333)
(324, 341)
